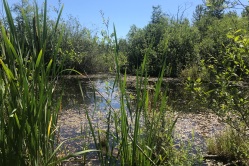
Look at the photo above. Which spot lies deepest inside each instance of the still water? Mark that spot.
(97, 88)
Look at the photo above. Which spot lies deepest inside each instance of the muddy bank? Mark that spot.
(91, 76)
(131, 81)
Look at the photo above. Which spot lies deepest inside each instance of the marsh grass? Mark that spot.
(28, 113)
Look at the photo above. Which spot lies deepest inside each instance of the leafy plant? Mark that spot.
(226, 95)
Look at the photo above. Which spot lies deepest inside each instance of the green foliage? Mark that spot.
(80, 48)
(180, 44)
(85, 51)
(213, 36)
(157, 15)
(146, 41)
(192, 72)
(226, 96)
(177, 46)
(164, 41)
(230, 145)
(215, 8)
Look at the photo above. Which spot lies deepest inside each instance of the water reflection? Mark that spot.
(102, 89)
(99, 91)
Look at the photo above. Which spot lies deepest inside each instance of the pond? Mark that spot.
(99, 93)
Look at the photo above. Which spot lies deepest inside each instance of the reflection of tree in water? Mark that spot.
(71, 92)
(96, 91)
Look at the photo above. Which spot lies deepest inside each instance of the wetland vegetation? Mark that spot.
(176, 92)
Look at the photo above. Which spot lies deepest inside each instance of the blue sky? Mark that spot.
(122, 13)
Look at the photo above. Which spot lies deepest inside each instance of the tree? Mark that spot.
(215, 8)
(136, 42)
(245, 12)
(23, 6)
(157, 14)
(198, 13)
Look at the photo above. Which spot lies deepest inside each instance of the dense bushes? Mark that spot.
(226, 95)
(164, 41)
(178, 43)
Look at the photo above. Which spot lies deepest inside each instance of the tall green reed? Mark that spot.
(28, 113)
